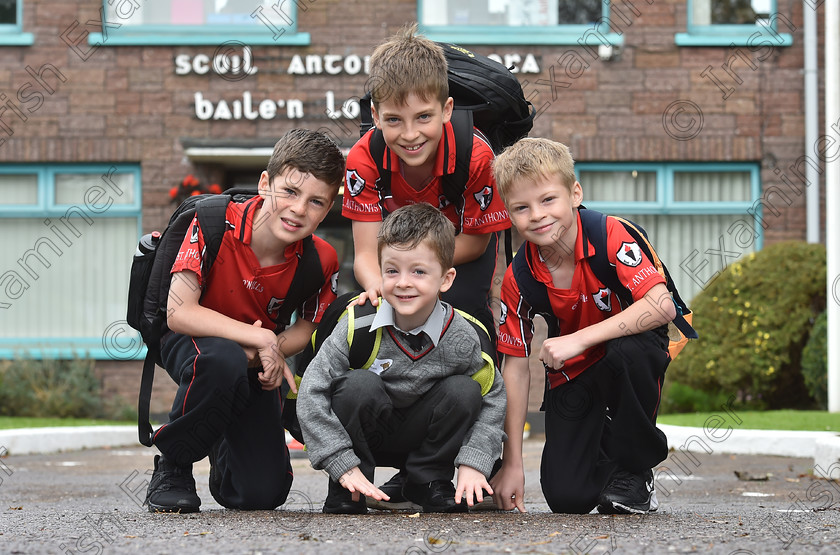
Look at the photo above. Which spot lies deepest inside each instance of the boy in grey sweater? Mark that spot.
(428, 400)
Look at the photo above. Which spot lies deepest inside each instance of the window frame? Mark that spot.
(732, 34)
(47, 207)
(11, 34)
(665, 205)
(583, 35)
(118, 34)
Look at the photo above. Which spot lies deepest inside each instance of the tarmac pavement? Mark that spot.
(90, 501)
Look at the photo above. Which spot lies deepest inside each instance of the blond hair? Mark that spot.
(533, 158)
(408, 226)
(408, 63)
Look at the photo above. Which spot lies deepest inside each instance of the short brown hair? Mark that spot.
(533, 158)
(308, 152)
(408, 226)
(408, 63)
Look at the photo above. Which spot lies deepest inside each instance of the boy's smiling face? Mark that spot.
(411, 281)
(543, 209)
(295, 204)
(413, 130)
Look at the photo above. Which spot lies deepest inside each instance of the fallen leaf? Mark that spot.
(745, 476)
(15, 508)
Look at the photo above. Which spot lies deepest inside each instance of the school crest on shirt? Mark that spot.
(443, 202)
(484, 197)
(355, 184)
(334, 282)
(602, 299)
(503, 310)
(194, 233)
(273, 307)
(378, 366)
(629, 254)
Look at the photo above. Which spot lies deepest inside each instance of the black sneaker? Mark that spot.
(340, 501)
(434, 497)
(172, 489)
(628, 493)
(393, 488)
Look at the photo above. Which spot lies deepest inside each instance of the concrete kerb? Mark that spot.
(823, 447)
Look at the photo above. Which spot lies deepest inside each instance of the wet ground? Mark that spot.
(90, 502)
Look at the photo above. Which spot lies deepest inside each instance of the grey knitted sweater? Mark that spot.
(458, 353)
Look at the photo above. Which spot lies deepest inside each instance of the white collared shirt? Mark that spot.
(433, 326)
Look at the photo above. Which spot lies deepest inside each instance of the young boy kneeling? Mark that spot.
(419, 405)
(606, 366)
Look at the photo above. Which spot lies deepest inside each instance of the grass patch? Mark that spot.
(802, 420)
(12, 422)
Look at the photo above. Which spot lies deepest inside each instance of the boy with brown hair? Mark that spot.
(428, 401)
(606, 364)
(225, 350)
(411, 109)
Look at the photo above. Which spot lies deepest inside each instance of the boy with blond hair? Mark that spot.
(411, 110)
(225, 348)
(429, 401)
(605, 363)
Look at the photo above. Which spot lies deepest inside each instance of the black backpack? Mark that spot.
(594, 229)
(487, 96)
(363, 346)
(148, 290)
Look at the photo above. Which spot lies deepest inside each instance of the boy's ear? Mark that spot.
(448, 278)
(264, 184)
(375, 115)
(448, 106)
(577, 194)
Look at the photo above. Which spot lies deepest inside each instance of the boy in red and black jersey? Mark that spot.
(225, 350)
(606, 365)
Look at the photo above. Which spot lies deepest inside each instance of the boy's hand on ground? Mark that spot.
(355, 482)
(509, 487)
(371, 295)
(471, 485)
(557, 350)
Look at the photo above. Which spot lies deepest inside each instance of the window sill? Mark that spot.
(695, 39)
(171, 39)
(511, 35)
(17, 39)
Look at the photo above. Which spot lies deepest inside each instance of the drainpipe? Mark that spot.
(812, 107)
(832, 203)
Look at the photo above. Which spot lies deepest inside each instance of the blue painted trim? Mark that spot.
(16, 38)
(690, 39)
(531, 36)
(39, 353)
(204, 38)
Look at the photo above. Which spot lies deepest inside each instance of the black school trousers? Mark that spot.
(603, 420)
(423, 438)
(220, 405)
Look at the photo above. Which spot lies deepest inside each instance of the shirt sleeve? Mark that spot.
(361, 199)
(484, 211)
(635, 270)
(191, 252)
(516, 327)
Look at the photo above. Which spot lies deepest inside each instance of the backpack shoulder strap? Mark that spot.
(594, 226)
(211, 218)
(383, 180)
(454, 184)
(534, 292)
(486, 375)
(364, 344)
(308, 279)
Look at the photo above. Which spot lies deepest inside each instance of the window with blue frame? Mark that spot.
(524, 21)
(735, 23)
(11, 24)
(700, 217)
(203, 22)
(69, 232)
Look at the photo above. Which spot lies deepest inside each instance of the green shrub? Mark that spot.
(677, 397)
(753, 320)
(815, 361)
(53, 388)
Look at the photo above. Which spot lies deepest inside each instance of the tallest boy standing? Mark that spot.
(411, 108)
